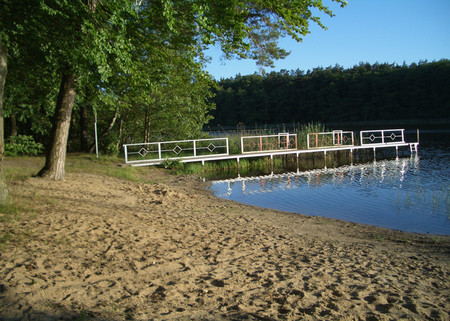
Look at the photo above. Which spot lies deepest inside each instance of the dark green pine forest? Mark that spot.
(363, 93)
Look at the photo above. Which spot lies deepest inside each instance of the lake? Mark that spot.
(409, 194)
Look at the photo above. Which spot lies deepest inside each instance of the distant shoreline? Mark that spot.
(442, 123)
(434, 123)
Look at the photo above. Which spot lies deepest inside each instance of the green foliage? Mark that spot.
(137, 63)
(172, 164)
(362, 93)
(22, 145)
(112, 149)
(303, 131)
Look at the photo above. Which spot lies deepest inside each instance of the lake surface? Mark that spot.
(409, 194)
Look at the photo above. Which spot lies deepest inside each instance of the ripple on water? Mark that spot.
(408, 194)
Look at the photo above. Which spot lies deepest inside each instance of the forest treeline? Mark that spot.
(365, 92)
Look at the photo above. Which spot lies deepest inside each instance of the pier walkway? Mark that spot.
(217, 149)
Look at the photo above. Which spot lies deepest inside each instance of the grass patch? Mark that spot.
(10, 215)
(110, 166)
(21, 167)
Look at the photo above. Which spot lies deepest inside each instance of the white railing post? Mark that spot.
(159, 151)
(195, 148)
(126, 153)
(228, 147)
(242, 145)
(382, 136)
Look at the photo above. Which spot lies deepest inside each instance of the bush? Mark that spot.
(109, 145)
(22, 145)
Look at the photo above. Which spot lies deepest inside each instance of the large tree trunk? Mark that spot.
(4, 194)
(56, 151)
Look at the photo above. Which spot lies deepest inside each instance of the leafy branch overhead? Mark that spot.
(138, 60)
(252, 29)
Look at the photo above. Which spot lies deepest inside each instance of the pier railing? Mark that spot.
(268, 143)
(383, 136)
(336, 138)
(213, 149)
(173, 150)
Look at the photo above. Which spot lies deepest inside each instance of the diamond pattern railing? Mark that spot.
(175, 150)
(196, 150)
(383, 136)
(336, 138)
(268, 143)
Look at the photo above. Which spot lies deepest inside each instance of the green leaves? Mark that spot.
(364, 92)
(143, 57)
(22, 145)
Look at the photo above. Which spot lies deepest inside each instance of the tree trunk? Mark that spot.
(56, 151)
(119, 141)
(3, 72)
(4, 194)
(84, 128)
(147, 126)
(13, 125)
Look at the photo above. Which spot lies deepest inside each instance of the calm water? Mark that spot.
(409, 194)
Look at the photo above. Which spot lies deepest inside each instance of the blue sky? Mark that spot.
(391, 31)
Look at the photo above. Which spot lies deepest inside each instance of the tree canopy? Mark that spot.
(141, 61)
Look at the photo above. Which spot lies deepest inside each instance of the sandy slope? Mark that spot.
(105, 248)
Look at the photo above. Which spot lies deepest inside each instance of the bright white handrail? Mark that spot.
(382, 136)
(175, 150)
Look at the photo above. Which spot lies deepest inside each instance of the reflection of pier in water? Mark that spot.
(386, 171)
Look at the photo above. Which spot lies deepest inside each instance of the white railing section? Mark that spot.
(336, 138)
(382, 136)
(268, 143)
(175, 150)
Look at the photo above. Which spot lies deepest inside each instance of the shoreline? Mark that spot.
(96, 247)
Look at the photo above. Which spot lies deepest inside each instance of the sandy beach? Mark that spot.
(102, 248)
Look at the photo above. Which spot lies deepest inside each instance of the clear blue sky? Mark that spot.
(384, 31)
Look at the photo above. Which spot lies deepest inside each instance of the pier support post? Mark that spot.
(237, 161)
(351, 156)
(325, 158)
(374, 154)
(271, 164)
(298, 169)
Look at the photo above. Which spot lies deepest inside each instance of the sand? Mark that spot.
(102, 248)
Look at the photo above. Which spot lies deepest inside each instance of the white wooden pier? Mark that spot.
(217, 149)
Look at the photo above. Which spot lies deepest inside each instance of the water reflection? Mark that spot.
(388, 172)
(396, 194)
